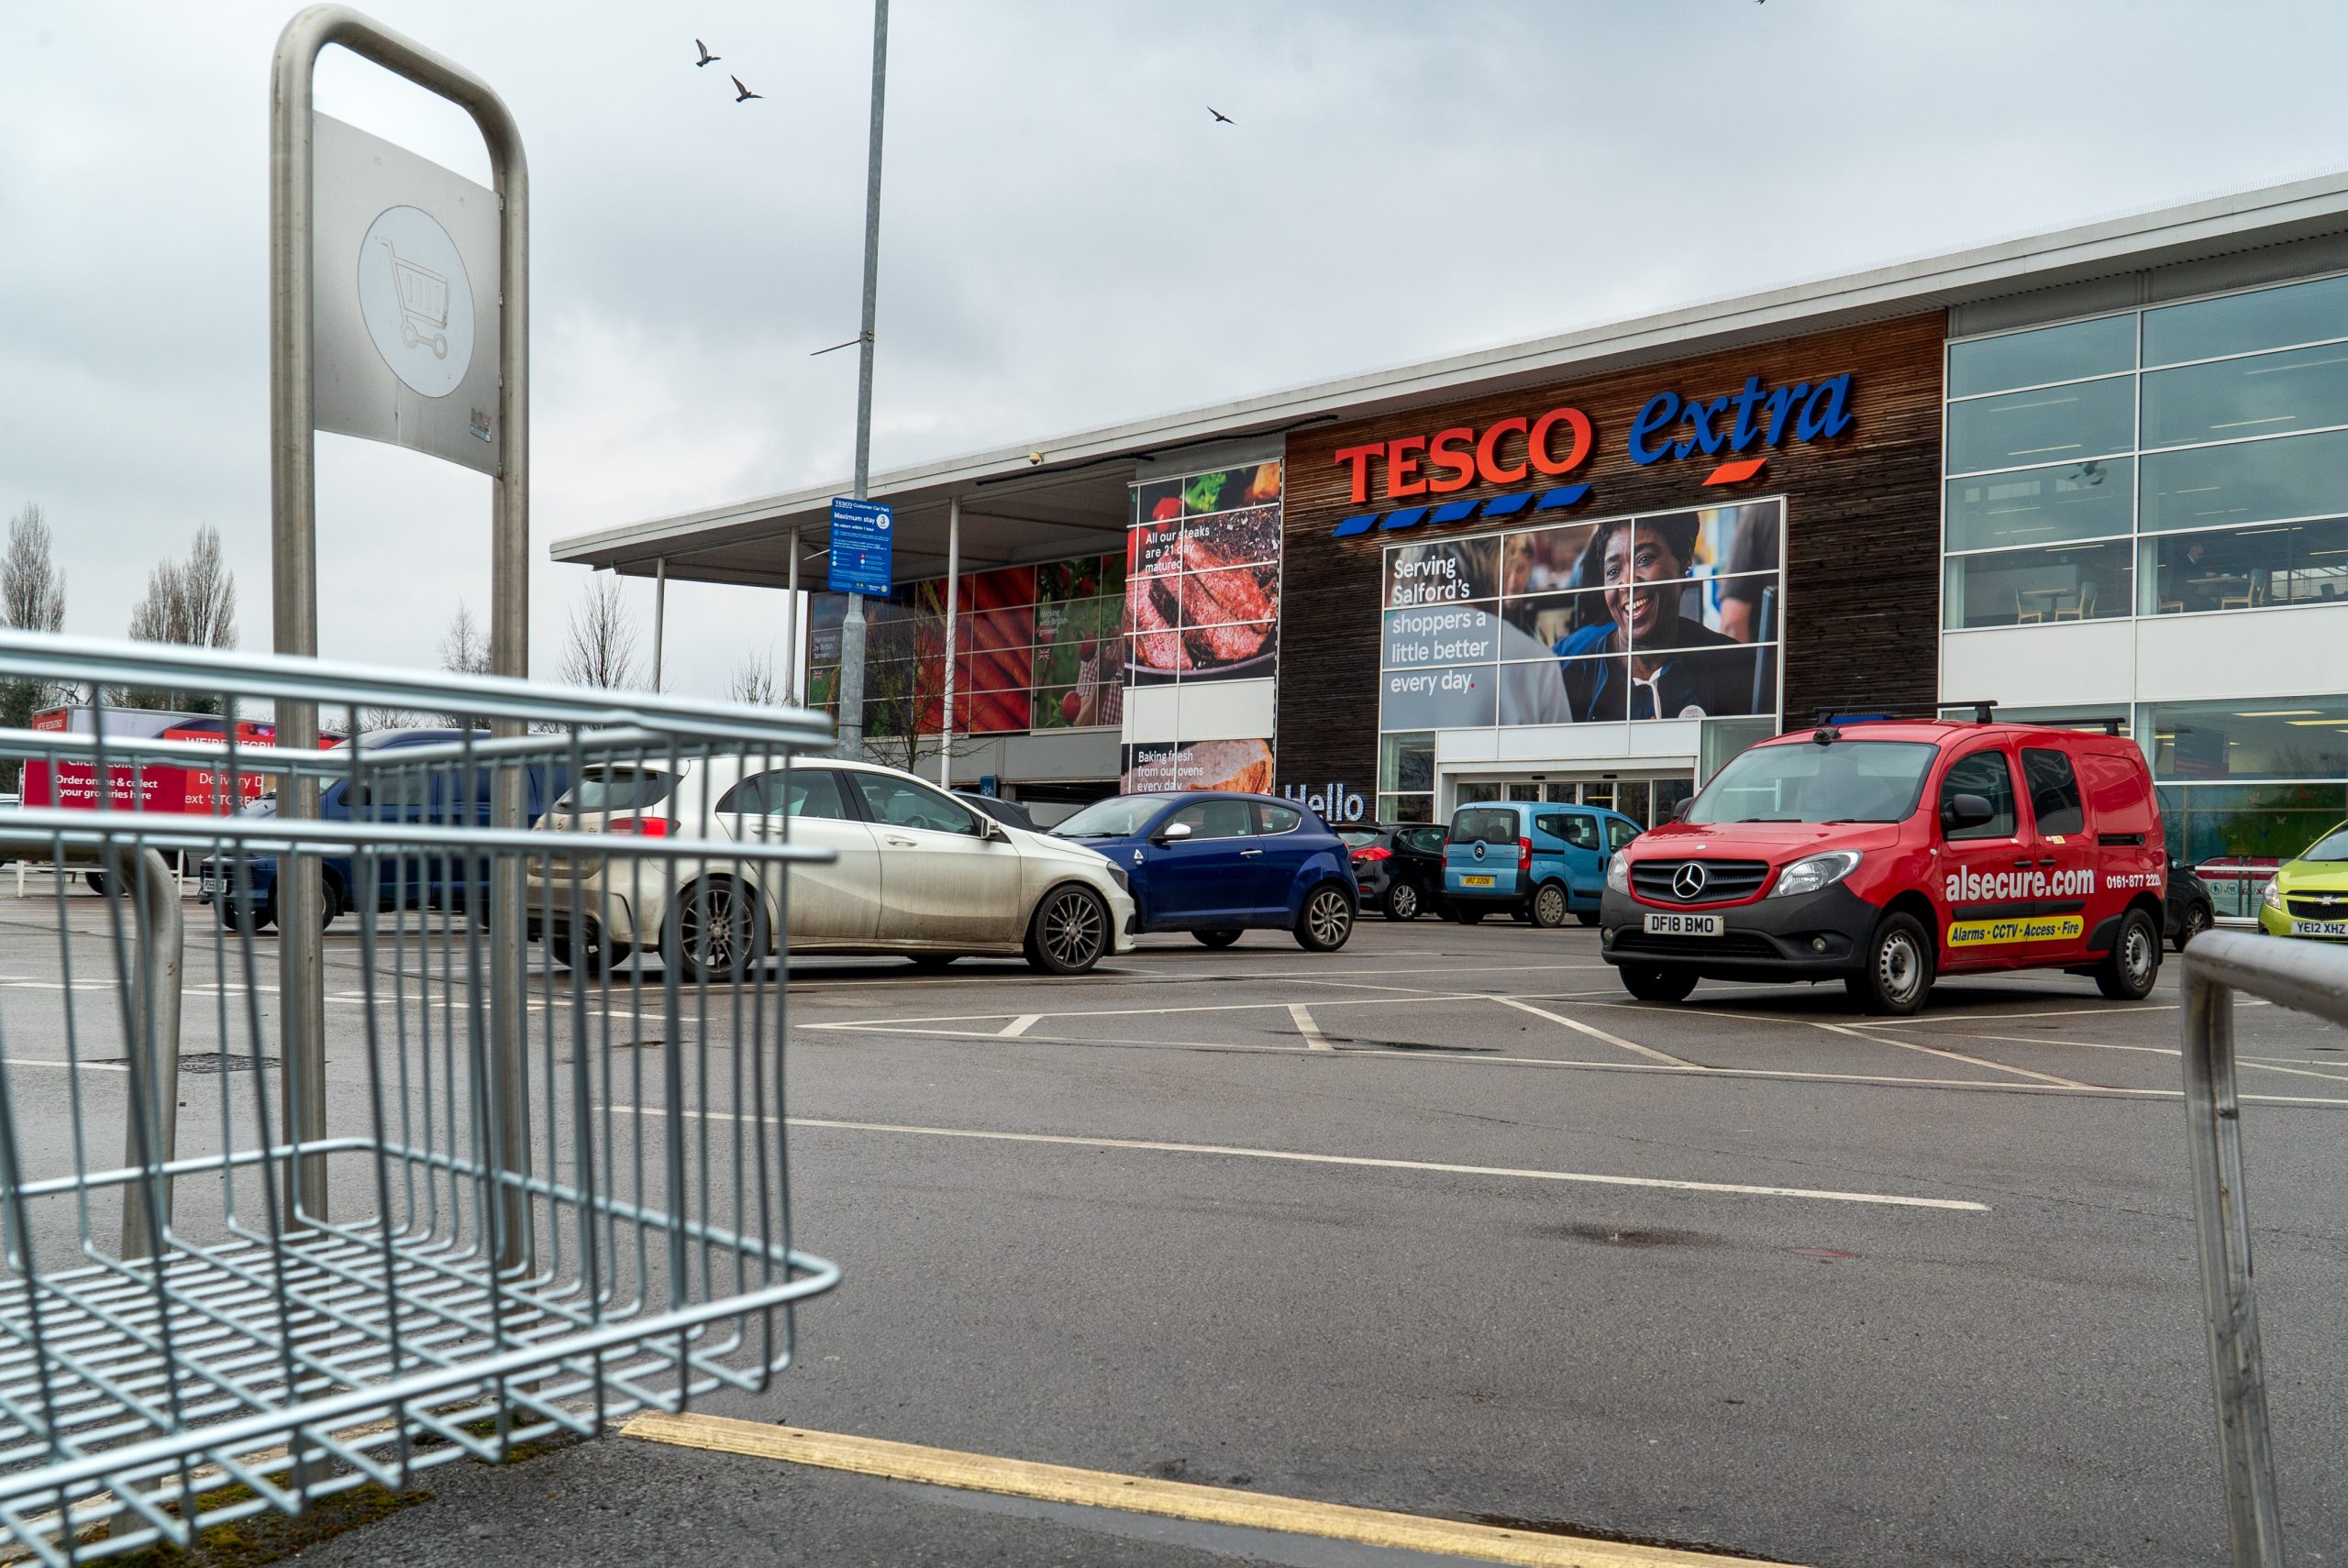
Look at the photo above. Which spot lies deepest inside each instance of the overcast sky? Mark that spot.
(1068, 238)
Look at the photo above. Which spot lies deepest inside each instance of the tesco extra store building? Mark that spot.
(2097, 476)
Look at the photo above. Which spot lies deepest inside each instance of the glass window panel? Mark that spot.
(2270, 738)
(1447, 697)
(1988, 775)
(1697, 683)
(2267, 394)
(1710, 612)
(1218, 596)
(1233, 539)
(1406, 763)
(2043, 506)
(2054, 802)
(2060, 582)
(2233, 833)
(2254, 482)
(1543, 560)
(1562, 624)
(1536, 691)
(2249, 568)
(1406, 809)
(2049, 354)
(2239, 323)
(2091, 419)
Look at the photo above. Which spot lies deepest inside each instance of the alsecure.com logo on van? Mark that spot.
(1972, 887)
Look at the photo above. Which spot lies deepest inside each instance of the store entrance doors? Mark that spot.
(1646, 800)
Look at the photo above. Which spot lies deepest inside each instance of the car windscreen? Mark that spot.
(1485, 826)
(1843, 781)
(617, 790)
(1120, 816)
(2333, 845)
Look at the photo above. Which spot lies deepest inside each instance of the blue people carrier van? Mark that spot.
(1531, 860)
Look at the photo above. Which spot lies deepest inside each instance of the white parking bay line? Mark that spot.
(1879, 1037)
(1019, 1026)
(1596, 1033)
(1302, 1018)
(1297, 1156)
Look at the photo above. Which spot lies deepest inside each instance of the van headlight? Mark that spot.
(1813, 872)
(2271, 895)
(1618, 875)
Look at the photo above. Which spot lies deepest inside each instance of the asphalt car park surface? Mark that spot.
(1444, 1223)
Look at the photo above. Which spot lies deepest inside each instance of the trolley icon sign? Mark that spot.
(416, 300)
(424, 303)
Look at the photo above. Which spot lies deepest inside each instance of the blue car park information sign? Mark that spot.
(862, 534)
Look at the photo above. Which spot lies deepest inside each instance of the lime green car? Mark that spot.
(2309, 895)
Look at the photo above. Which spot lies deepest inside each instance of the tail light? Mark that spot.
(1375, 851)
(1525, 856)
(648, 827)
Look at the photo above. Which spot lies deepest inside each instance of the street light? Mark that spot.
(851, 719)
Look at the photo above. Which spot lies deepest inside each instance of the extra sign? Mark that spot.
(1555, 443)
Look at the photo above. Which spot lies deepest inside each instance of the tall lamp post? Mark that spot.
(851, 719)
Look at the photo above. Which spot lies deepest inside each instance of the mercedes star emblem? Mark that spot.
(1688, 881)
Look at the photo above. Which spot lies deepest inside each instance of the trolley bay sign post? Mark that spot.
(399, 311)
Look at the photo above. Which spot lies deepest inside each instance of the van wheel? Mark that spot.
(1549, 909)
(2192, 924)
(1899, 973)
(1326, 920)
(1219, 938)
(1658, 982)
(1069, 932)
(2129, 971)
(1402, 901)
(1587, 917)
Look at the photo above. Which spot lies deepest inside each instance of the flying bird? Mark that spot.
(705, 56)
(1219, 115)
(743, 95)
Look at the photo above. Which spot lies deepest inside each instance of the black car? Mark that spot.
(1009, 812)
(1400, 867)
(2186, 909)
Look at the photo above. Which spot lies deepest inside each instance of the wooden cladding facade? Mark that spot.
(1862, 530)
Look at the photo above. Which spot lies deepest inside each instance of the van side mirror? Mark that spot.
(1961, 812)
(1173, 833)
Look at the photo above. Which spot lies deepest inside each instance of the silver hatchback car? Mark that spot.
(914, 872)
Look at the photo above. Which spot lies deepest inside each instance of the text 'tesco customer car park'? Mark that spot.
(1888, 854)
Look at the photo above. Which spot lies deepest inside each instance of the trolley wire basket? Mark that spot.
(422, 1190)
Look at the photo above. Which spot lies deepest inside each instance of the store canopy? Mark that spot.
(1070, 496)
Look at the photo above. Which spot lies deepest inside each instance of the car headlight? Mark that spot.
(2271, 895)
(1813, 872)
(1618, 875)
(1125, 883)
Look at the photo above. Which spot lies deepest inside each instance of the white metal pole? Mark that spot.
(791, 686)
(851, 719)
(660, 614)
(953, 586)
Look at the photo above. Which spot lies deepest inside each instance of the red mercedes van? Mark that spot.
(1888, 854)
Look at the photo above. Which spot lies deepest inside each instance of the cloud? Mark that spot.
(1068, 237)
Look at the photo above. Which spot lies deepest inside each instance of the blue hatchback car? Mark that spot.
(1215, 864)
(1532, 859)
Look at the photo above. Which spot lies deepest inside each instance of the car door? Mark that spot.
(1984, 866)
(1479, 859)
(1282, 847)
(945, 878)
(1207, 878)
(838, 901)
(2062, 853)
(1584, 853)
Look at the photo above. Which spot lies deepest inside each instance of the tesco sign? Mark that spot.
(1669, 425)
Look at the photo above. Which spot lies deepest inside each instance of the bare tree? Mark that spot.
(754, 680)
(192, 603)
(32, 599)
(464, 647)
(601, 648)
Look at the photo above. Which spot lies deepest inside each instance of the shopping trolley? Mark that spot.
(549, 1196)
(424, 303)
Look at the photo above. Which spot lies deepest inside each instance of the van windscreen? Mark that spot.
(1844, 781)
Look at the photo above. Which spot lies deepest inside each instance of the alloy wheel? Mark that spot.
(1403, 903)
(1074, 930)
(1327, 918)
(711, 933)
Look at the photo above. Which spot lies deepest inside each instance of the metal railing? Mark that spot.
(2308, 978)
